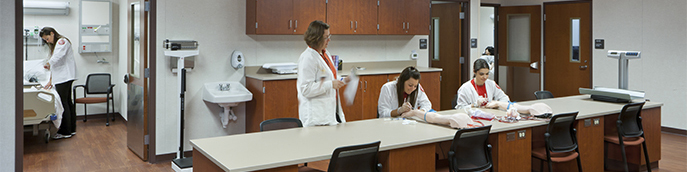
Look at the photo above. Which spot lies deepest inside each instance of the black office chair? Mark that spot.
(543, 94)
(561, 142)
(358, 158)
(97, 83)
(630, 132)
(470, 150)
(280, 123)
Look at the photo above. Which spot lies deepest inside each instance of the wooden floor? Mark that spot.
(100, 148)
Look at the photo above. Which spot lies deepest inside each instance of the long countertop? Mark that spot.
(366, 68)
(298, 145)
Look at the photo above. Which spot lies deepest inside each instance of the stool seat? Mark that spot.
(555, 156)
(632, 141)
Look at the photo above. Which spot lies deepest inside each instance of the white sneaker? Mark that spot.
(60, 136)
(73, 133)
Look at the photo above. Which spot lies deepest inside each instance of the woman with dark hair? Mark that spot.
(488, 55)
(402, 95)
(480, 90)
(317, 81)
(62, 74)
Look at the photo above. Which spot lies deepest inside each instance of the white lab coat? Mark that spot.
(62, 65)
(467, 95)
(317, 100)
(388, 100)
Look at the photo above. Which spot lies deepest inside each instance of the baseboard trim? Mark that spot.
(118, 117)
(162, 158)
(674, 130)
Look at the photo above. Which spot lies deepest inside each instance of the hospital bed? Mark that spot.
(42, 108)
(39, 106)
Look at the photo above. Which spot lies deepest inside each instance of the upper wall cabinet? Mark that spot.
(352, 16)
(398, 17)
(282, 17)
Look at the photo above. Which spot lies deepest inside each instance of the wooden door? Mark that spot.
(274, 17)
(445, 48)
(371, 85)
(137, 83)
(306, 11)
(417, 17)
(340, 16)
(365, 17)
(567, 51)
(391, 17)
(519, 46)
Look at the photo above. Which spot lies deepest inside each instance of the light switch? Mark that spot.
(596, 121)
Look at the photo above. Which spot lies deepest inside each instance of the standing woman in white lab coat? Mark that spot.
(480, 90)
(402, 95)
(62, 74)
(317, 83)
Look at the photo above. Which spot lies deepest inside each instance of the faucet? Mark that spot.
(224, 87)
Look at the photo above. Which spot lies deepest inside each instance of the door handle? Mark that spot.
(351, 24)
(290, 24)
(583, 67)
(126, 78)
(356, 24)
(534, 65)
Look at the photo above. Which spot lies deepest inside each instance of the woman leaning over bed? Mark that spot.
(62, 74)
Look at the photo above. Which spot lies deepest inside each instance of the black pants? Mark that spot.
(68, 125)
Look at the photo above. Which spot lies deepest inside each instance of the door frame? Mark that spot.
(496, 38)
(591, 37)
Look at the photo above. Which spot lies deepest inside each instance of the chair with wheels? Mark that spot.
(543, 94)
(359, 158)
(470, 150)
(97, 83)
(560, 142)
(630, 132)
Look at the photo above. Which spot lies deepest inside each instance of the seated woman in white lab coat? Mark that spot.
(317, 83)
(402, 95)
(480, 90)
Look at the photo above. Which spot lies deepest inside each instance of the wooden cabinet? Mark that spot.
(271, 99)
(352, 16)
(404, 17)
(282, 17)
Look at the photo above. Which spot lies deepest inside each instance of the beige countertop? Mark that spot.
(299, 145)
(366, 68)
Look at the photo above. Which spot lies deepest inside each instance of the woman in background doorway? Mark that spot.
(62, 74)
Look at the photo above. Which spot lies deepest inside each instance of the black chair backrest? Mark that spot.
(359, 158)
(470, 148)
(543, 94)
(631, 124)
(97, 83)
(454, 102)
(280, 123)
(561, 131)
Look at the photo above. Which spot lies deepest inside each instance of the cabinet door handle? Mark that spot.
(404, 25)
(296, 24)
(408, 26)
(290, 24)
(356, 25)
(351, 24)
(365, 85)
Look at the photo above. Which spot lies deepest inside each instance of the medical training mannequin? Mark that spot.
(317, 82)
(479, 87)
(458, 120)
(412, 96)
(62, 74)
(514, 109)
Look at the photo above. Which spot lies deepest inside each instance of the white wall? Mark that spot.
(7, 89)
(221, 30)
(486, 26)
(68, 26)
(657, 28)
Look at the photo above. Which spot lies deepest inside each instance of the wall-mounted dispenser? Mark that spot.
(237, 59)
